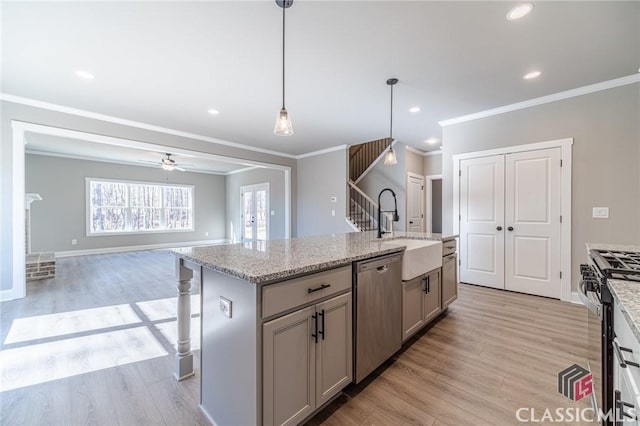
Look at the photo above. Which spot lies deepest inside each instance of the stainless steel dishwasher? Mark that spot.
(377, 312)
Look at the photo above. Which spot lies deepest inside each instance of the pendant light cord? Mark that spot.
(391, 118)
(283, 38)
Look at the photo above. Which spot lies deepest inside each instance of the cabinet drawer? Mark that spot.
(449, 247)
(286, 295)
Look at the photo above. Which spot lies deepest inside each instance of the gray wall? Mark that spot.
(433, 165)
(319, 178)
(276, 201)
(12, 111)
(436, 207)
(394, 177)
(414, 163)
(606, 158)
(61, 215)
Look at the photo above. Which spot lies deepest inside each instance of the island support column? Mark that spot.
(184, 356)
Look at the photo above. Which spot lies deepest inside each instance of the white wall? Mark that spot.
(275, 178)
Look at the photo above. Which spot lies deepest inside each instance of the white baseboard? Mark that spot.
(86, 252)
(575, 298)
(6, 295)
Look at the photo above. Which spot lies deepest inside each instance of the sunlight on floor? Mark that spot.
(170, 331)
(44, 362)
(161, 309)
(41, 326)
(104, 347)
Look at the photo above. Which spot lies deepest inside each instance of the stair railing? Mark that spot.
(367, 209)
(363, 156)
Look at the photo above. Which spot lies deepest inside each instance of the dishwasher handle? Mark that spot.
(376, 264)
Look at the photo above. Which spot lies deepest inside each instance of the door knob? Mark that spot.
(410, 222)
(499, 228)
(510, 228)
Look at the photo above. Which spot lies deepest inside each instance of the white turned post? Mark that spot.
(184, 356)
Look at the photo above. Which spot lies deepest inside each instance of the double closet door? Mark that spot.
(510, 221)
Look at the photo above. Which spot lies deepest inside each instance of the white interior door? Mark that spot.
(532, 217)
(482, 221)
(415, 203)
(255, 212)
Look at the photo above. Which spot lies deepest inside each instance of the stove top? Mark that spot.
(616, 264)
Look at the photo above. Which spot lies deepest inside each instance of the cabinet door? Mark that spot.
(412, 306)
(449, 280)
(289, 375)
(432, 305)
(334, 356)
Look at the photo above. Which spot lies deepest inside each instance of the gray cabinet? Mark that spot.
(421, 302)
(307, 359)
(412, 306)
(449, 279)
(432, 306)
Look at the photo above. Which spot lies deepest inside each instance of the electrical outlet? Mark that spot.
(225, 306)
(273, 212)
(600, 213)
(74, 242)
(333, 212)
(206, 234)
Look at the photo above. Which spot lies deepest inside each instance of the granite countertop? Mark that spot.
(261, 262)
(626, 294)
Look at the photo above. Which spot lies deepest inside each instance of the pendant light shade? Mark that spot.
(283, 125)
(390, 158)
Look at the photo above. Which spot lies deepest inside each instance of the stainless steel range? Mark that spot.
(596, 296)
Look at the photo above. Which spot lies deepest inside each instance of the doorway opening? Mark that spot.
(434, 203)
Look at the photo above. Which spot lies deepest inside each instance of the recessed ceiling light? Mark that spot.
(414, 109)
(532, 74)
(432, 141)
(85, 74)
(213, 111)
(519, 11)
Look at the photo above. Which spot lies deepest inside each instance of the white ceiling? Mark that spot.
(74, 148)
(166, 63)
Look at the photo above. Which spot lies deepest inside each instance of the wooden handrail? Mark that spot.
(365, 196)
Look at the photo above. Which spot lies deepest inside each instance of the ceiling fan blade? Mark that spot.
(149, 162)
(179, 169)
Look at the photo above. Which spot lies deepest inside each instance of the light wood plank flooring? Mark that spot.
(492, 353)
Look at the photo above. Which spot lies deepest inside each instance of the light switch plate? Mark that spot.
(225, 306)
(273, 212)
(333, 212)
(600, 213)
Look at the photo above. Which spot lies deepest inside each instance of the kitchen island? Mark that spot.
(260, 302)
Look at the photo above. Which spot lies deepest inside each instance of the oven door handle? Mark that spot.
(593, 307)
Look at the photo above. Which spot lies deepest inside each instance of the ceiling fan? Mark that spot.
(168, 163)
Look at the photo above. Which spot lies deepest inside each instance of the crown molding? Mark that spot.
(322, 151)
(246, 169)
(423, 153)
(430, 153)
(122, 121)
(604, 85)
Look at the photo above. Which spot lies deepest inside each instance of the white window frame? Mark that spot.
(90, 233)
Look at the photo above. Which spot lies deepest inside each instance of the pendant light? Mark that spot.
(283, 121)
(390, 158)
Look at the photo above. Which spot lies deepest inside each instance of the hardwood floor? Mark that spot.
(491, 354)
(94, 346)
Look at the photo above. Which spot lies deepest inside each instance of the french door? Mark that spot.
(255, 212)
(510, 221)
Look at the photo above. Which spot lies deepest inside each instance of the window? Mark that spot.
(129, 207)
